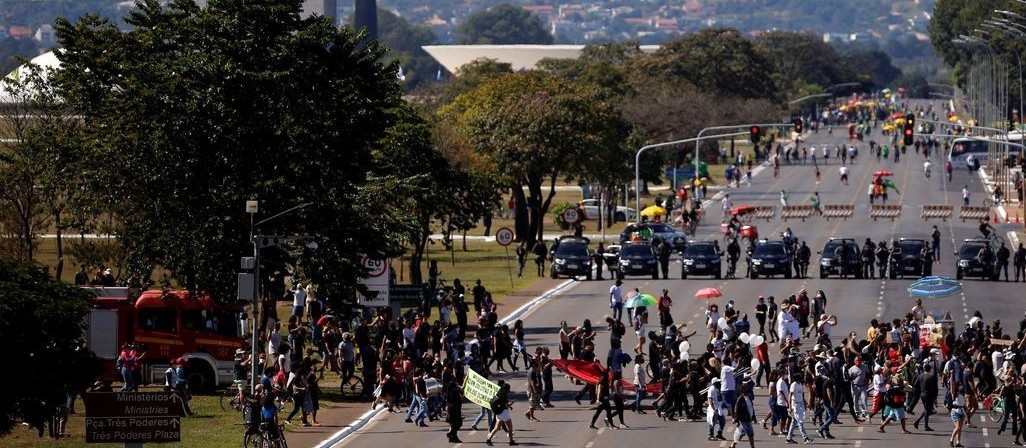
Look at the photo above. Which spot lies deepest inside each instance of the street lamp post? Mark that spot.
(637, 162)
(260, 242)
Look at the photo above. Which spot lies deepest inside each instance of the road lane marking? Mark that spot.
(985, 434)
(601, 430)
(858, 443)
(589, 445)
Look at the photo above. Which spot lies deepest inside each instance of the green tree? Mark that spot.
(196, 110)
(800, 58)
(405, 43)
(872, 67)
(503, 25)
(41, 326)
(537, 128)
(717, 61)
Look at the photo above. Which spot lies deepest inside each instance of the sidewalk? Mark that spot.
(335, 417)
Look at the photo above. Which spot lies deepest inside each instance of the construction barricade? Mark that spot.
(795, 212)
(764, 212)
(942, 212)
(884, 211)
(838, 211)
(974, 212)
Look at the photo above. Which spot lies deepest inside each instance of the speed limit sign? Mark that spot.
(571, 216)
(504, 236)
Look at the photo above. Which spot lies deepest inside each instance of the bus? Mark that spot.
(961, 148)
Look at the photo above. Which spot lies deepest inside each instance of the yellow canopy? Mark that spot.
(653, 210)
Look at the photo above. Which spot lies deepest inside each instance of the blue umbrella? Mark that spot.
(934, 287)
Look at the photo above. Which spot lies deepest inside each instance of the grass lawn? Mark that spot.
(210, 427)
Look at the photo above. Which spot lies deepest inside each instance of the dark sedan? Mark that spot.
(701, 258)
(771, 258)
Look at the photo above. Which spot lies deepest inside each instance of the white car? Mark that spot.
(623, 214)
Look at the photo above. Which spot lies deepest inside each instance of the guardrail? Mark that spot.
(795, 212)
(936, 211)
(884, 211)
(974, 212)
(838, 211)
(764, 212)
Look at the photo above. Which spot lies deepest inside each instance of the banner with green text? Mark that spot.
(478, 389)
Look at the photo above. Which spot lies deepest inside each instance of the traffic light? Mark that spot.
(798, 126)
(909, 133)
(755, 134)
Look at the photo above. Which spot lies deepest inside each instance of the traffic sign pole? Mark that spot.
(504, 236)
(509, 267)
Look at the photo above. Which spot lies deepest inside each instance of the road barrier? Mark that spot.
(795, 212)
(974, 212)
(838, 211)
(764, 212)
(884, 211)
(936, 211)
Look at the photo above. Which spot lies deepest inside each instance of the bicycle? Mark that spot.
(995, 405)
(994, 202)
(354, 384)
(994, 239)
(270, 440)
(233, 398)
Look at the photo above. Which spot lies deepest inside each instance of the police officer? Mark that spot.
(1002, 262)
(842, 258)
(804, 255)
(867, 259)
(664, 249)
(598, 260)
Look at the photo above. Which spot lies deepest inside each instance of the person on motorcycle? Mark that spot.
(882, 254)
(867, 259)
(733, 253)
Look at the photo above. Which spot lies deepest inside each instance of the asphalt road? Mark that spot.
(855, 302)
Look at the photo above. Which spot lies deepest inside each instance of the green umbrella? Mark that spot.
(641, 300)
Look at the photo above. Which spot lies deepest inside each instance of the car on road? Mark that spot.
(637, 259)
(657, 231)
(571, 258)
(701, 258)
(969, 264)
(910, 258)
(771, 258)
(622, 214)
(830, 262)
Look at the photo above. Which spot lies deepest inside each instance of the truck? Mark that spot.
(166, 325)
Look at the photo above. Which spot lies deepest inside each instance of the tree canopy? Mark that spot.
(196, 110)
(503, 25)
(41, 326)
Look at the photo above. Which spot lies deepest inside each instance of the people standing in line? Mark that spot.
(1019, 262)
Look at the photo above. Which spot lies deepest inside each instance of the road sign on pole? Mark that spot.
(377, 281)
(571, 216)
(132, 417)
(504, 236)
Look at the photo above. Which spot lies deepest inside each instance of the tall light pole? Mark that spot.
(637, 162)
(260, 242)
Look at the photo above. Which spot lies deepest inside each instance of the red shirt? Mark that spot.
(664, 304)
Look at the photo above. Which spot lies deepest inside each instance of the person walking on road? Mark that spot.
(783, 198)
(965, 195)
(796, 407)
(616, 300)
(501, 405)
(603, 400)
(714, 411)
(540, 252)
(935, 237)
(760, 315)
(744, 415)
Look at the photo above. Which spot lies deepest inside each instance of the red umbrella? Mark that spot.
(708, 293)
(879, 173)
(741, 210)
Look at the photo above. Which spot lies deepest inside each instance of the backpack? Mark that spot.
(495, 404)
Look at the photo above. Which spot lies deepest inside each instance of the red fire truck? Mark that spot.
(166, 325)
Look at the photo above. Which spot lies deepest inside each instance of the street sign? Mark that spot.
(377, 281)
(407, 295)
(132, 417)
(504, 236)
(571, 216)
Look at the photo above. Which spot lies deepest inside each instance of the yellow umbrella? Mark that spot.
(953, 119)
(653, 210)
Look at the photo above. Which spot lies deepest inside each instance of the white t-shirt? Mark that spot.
(798, 395)
(715, 400)
(727, 204)
(639, 376)
(843, 170)
(614, 295)
(965, 193)
(782, 392)
(880, 383)
(299, 297)
(727, 378)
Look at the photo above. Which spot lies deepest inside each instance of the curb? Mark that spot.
(361, 421)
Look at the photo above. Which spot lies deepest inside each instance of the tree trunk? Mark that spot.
(464, 240)
(419, 247)
(521, 222)
(60, 244)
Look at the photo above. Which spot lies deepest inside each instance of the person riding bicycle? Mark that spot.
(985, 228)
(926, 168)
(269, 417)
(997, 194)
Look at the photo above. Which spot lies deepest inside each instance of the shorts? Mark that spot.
(534, 399)
(895, 413)
(779, 412)
(957, 414)
(504, 416)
